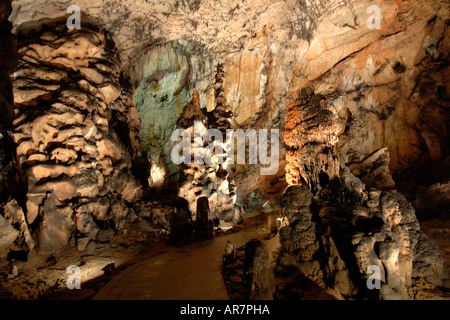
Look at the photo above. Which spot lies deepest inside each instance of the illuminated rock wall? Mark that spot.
(76, 130)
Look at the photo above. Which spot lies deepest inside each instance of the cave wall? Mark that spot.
(9, 182)
(338, 230)
(164, 79)
(8, 64)
(387, 86)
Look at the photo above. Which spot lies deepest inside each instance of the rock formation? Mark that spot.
(76, 132)
(204, 226)
(11, 215)
(257, 272)
(338, 232)
(203, 179)
(312, 131)
(333, 241)
(88, 114)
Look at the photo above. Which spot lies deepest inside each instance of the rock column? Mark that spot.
(312, 130)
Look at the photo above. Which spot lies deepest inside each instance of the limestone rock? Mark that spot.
(369, 228)
(9, 184)
(57, 226)
(8, 233)
(312, 132)
(204, 226)
(15, 216)
(356, 106)
(428, 262)
(306, 245)
(374, 170)
(76, 146)
(258, 275)
(345, 228)
(104, 235)
(271, 50)
(204, 179)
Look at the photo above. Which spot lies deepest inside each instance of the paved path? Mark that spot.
(193, 272)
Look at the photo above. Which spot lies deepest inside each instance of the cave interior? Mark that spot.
(243, 150)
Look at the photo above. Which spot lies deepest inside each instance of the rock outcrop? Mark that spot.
(14, 232)
(338, 232)
(257, 272)
(334, 241)
(374, 170)
(163, 79)
(76, 130)
(359, 104)
(312, 130)
(308, 245)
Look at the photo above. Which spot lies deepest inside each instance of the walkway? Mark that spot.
(193, 272)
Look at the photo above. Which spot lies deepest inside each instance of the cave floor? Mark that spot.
(191, 272)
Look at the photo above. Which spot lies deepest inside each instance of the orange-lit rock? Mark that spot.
(245, 84)
(312, 130)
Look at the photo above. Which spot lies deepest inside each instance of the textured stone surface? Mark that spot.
(270, 50)
(8, 63)
(160, 95)
(8, 233)
(373, 170)
(202, 179)
(312, 130)
(342, 222)
(74, 142)
(387, 85)
(333, 218)
(309, 247)
(257, 272)
(355, 105)
(356, 230)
